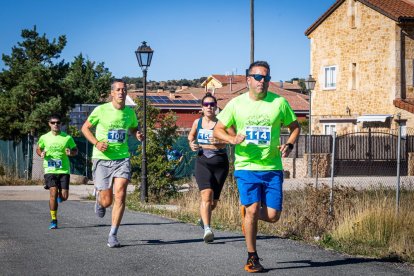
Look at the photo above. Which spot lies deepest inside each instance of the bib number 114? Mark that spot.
(259, 135)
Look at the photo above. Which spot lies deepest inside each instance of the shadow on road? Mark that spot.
(217, 240)
(122, 224)
(346, 261)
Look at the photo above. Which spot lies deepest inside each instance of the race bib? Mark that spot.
(54, 164)
(259, 135)
(204, 135)
(116, 135)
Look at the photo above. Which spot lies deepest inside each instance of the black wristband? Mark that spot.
(290, 145)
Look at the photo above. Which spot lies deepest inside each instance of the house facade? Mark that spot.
(362, 56)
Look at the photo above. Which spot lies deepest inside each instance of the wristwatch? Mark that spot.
(290, 145)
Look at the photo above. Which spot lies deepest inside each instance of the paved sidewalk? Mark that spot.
(76, 192)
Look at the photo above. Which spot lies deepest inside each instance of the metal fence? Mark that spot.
(16, 158)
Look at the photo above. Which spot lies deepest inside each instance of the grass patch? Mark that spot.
(12, 181)
(362, 222)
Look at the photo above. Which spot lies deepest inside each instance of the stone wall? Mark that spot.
(411, 164)
(298, 167)
(371, 46)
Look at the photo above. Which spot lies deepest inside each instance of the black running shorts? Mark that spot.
(57, 180)
(211, 173)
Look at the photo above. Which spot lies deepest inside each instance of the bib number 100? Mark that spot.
(116, 136)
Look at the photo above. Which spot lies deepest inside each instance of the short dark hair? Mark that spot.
(117, 80)
(208, 95)
(55, 116)
(259, 63)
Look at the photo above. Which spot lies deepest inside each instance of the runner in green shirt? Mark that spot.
(111, 164)
(257, 117)
(54, 148)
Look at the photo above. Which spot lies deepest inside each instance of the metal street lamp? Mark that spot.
(310, 85)
(144, 56)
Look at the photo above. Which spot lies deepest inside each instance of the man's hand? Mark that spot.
(238, 139)
(43, 154)
(285, 150)
(194, 146)
(102, 146)
(140, 136)
(67, 151)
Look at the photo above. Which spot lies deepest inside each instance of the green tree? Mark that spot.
(31, 89)
(88, 81)
(301, 82)
(161, 132)
(38, 83)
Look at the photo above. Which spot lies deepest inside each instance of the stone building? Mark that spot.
(362, 57)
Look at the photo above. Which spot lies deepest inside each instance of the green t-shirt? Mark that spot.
(56, 161)
(112, 126)
(260, 121)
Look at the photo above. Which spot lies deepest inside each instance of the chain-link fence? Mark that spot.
(372, 159)
(362, 160)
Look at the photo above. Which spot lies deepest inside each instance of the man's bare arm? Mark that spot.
(220, 132)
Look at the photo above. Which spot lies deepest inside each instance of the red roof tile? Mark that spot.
(226, 79)
(286, 85)
(397, 10)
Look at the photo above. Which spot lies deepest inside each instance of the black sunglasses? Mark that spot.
(259, 77)
(55, 123)
(212, 104)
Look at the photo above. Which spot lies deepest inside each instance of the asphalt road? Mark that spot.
(151, 245)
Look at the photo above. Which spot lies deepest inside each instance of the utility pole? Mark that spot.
(251, 31)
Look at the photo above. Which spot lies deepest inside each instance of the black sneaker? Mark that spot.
(253, 265)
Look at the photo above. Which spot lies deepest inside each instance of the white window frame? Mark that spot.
(332, 127)
(329, 77)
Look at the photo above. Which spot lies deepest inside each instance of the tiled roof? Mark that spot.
(226, 79)
(287, 85)
(298, 101)
(397, 10)
(405, 104)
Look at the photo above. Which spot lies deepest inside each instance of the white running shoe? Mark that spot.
(208, 236)
(99, 210)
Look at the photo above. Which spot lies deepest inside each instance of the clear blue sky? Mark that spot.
(190, 38)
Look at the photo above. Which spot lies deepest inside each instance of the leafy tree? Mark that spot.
(161, 132)
(37, 83)
(89, 82)
(301, 82)
(31, 89)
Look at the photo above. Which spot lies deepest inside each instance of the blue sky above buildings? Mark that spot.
(191, 38)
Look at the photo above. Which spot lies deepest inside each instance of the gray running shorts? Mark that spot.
(104, 171)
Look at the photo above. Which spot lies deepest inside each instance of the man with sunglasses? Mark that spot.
(54, 148)
(257, 117)
(111, 159)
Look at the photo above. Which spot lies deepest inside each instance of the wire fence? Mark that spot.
(364, 160)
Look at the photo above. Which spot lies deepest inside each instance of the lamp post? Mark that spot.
(310, 85)
(144, 56)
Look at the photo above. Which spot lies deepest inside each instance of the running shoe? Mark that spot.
(53, 224)
(253, 265)
(208, 236)
(113, 241)
(243, 215)
(201, 223)
(99, 210)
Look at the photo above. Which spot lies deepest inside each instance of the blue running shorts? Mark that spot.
(260, 186)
